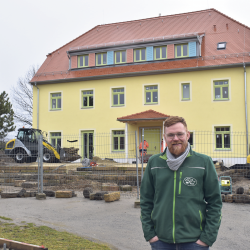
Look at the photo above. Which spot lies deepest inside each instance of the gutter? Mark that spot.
(245, 85)
(141, 119)
(37, 125)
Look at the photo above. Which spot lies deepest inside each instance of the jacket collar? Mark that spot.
(164, 155)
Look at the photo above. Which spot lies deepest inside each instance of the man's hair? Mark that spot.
(173, 120)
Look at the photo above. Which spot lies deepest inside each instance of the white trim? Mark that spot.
(196, 167)
(111, 101)
(231, 137)
(190, 90)
(229, 89)
(143, 94)
(87, 89)
(158, 167)
(54, 92)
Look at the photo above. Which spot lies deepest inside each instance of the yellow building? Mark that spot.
(119, 78)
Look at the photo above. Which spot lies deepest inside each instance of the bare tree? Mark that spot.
(22, 97)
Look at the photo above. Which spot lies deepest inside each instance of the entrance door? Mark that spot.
(87, 144)
(153, 137)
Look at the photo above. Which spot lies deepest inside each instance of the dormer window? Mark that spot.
(181, 50)
(221, 45)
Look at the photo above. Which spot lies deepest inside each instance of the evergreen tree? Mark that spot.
(6, 115)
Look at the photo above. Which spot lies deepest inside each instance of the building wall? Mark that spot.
(201, 112)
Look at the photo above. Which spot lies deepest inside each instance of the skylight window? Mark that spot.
(221, 46)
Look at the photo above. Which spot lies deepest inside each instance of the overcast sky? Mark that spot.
(30, 29)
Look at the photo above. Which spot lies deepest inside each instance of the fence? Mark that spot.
(109, 161)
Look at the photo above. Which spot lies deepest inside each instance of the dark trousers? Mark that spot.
(160, 245)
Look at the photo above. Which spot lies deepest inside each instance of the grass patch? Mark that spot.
(5, 218)
(46, 236)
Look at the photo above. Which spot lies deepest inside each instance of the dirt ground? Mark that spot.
(117, 223)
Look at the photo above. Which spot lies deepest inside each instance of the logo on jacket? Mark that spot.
(190, 181)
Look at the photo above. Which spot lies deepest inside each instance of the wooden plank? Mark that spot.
(20, 245)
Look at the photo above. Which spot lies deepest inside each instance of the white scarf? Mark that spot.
(173, 162)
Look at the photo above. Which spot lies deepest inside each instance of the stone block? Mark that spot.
(40, 196)
(109, 187)
(92, 196)
(126, 188)
(63, 194)
(229, 198)
(49, 193)
(18, 183)
(100, 195)
(137, 204)
(223, 197)
(87, 191)
(29, 184)
(115, 196)
(9, 195)
(21, 193)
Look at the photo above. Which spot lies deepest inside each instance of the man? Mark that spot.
(145, 146)
(180, 196)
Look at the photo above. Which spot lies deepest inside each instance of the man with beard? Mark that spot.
(180, 196)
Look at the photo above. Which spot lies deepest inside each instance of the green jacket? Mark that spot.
(173, 203)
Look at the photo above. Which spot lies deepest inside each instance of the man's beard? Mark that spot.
(177, 151)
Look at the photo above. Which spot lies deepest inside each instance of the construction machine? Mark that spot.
(25, 147)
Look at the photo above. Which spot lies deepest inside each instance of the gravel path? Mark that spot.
(117, 223)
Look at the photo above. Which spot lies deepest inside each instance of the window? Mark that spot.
(118, 140)
(120, 56)
(87, 99)
(185, 90)
(55, 139)
(151, 94)
(222, 138)
(139, 55)
(101, 59)
(221, 90)
(83, 61)
(160, 53)
(56, 101)
(221, 45)
(191, 139)
(181, 50)
(118, 97)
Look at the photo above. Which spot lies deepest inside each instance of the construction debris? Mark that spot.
(71, 154)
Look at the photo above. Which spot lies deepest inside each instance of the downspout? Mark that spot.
(245, 84)
(126, 142)
(37, 107)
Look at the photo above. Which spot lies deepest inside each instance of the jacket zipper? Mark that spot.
(201, 219)
(180, 183)
(174, 206)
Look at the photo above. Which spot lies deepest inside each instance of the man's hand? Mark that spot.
(154, 239)
(199, 242)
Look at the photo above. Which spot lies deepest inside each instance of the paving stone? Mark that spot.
(126, 188)
(9, 195)
(110, 187)
(92, 196)
(115, 196)
(40, 196)
(229, 198)
(29, 184)
(87, 191)
(63, 194)
(18, 183)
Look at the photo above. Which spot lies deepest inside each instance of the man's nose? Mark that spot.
(176, 138)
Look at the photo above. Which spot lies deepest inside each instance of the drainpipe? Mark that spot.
(126, 141)
(37, 107)
(245, 83)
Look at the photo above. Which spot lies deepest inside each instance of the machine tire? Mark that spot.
(49, 157)
(20, 156)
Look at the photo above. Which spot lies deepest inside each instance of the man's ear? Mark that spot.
(188, 135)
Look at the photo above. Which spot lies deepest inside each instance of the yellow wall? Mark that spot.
(201, 112)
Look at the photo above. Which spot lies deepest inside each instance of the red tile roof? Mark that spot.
(216, 26)
(145, 115)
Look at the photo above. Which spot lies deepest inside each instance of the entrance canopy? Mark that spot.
(145, 116)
